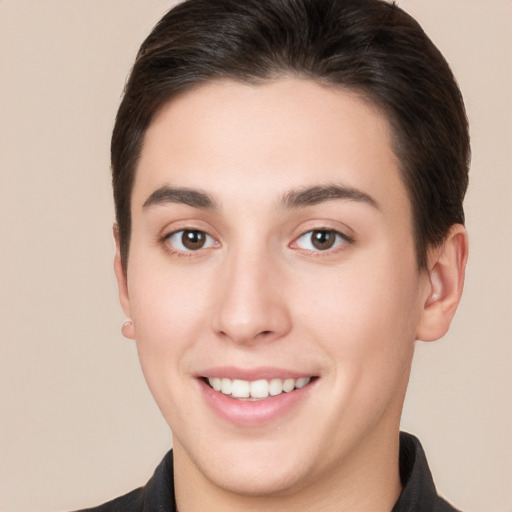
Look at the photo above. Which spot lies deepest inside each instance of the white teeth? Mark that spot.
(276, 387)
(261, 388)
(289, 385)
(300, 383)
(240, 389)
(216, 383)
(226, 386)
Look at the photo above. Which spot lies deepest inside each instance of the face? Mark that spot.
(272, 282)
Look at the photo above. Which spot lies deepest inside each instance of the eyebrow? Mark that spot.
(319, 194)
(297, 198)
(188, 196)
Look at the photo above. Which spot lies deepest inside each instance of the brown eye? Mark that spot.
(321, 240)
(189, 240)
(193, 240)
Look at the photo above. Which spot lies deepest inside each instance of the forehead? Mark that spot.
(239, 140)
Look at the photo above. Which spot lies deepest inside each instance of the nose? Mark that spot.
(252, 306)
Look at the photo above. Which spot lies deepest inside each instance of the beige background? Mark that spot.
(77, 425)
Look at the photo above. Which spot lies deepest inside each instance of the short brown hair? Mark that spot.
(371, 46)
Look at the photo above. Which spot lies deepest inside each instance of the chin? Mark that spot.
(257, 469)
(270, 479)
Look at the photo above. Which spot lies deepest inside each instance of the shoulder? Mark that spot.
(443, 506)
(418, 492)
(157, 494)
(131, 502)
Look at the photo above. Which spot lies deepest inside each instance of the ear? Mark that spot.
(122, 286)
(446, 270)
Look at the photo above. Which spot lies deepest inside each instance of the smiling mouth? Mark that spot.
(257, 389)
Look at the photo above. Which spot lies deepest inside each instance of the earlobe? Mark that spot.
(128, 330)
(446, 270)
(122, 286)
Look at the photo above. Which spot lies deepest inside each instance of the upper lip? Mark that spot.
(252, 374)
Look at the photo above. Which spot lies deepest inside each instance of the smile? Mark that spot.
(257, 389)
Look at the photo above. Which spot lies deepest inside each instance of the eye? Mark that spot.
(189, 240)
(320, 240)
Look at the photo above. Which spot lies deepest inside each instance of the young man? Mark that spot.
(288, 178)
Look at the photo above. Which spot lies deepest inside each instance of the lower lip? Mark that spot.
(253, 413)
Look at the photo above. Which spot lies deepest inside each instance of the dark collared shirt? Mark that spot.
(418, 494)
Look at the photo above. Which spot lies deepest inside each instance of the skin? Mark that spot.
(258, 294)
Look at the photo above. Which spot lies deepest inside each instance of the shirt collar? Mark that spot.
(418, 493)
(418, 489)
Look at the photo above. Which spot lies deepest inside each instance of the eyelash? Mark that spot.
(184, 252)
(340, 240)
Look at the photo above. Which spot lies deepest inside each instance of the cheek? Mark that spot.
(168, 314)
(365, 319)
(367, 331)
